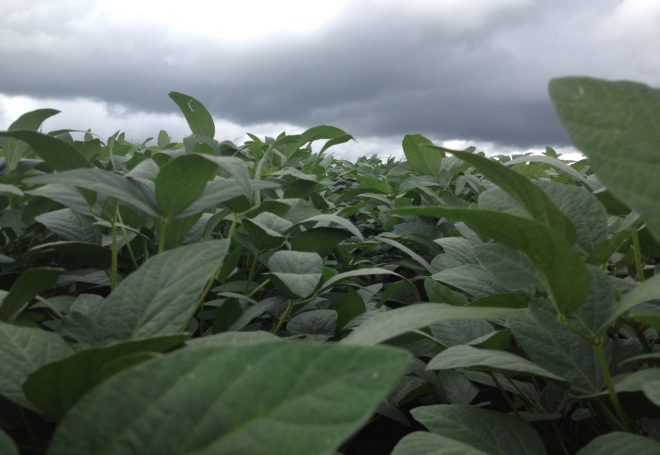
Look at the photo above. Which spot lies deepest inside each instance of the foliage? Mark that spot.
(209, 297)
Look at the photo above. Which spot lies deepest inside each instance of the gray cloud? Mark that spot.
(476, 70)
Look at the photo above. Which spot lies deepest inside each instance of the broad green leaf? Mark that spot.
(325, 219)
(401, 247)
(620, 443)
(27, 286)
(555, 348)
(356, 272)
(57, 386)
(10, 189)
(423, 443)
(24, 350)
(439, 293)
(652, 391)
(635, 382)
(616, 125)
(72, 226)
(473, 279)
(389, 324)
(322, 132)
(32, 120)
(67, 196)
(583, 209)
(181, 182)
(58, 154)
(161, 296)
(600, 304)
(217, 191)
(320, 240)
(456, 332)
(528, 195)
(295, 406)
(15, 149)
(642, 292)
(511, 269)
(420, 157)
(267, 230)
(7, 446)
(464, 356)
(199, 119)
(565, 273)
(232, 339)
(238, 170)
(459, 248)
(554, 162)
(489, 431)
(314, 322)
(107, 183)
(298, 272)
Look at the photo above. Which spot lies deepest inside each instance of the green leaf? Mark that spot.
(389, 324)
(473, 279)
(464, 356)
(10, 189)
(322, 132)
(401, 247)
(181, 182)
(620, 443)
(69, 225)
(423, 443)
(232, 339)
(295, 406)
(457, 332)
(600, 304)
(555, 348)
(616, 125)
(356, 272)
(199, 119)
(267, 230)
(528, 195)
(325, 219)
(27, 286)
(7, 446)
(103, 182)
(15, 149)
(565, 273)
(488, 431)
(23, 351)
(320, 240)
(58, 154)
(583, 209)
(511, 270)
(298, 272)
(652, 391)
(57, 386)
(420, 157)
(314, 322)
(642, 292)
(161, 296)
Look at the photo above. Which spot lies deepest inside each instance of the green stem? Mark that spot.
(253, 270)
(506, 396)
(161, 236)
(257, 173)
(285, 315)
(640, 335)
(254, 291)
(611, 390)
(202, 296)
(127, 241)
(637, 252)
(563, 447)
(114, 267)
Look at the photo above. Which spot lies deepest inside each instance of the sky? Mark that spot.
(461, 72)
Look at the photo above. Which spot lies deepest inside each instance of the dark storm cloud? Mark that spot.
(380, 69)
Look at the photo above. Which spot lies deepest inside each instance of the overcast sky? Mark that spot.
(465, 71)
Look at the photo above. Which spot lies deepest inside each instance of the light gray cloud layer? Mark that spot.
(451, 69)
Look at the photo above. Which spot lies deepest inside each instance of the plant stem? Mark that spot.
(114, 267)
(611, 390)
(161, 236)
(506, 396)
(637, 252)
(126, 240)
(253, 270)
(283, 318)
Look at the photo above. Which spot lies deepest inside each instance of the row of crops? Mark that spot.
(208, 297)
